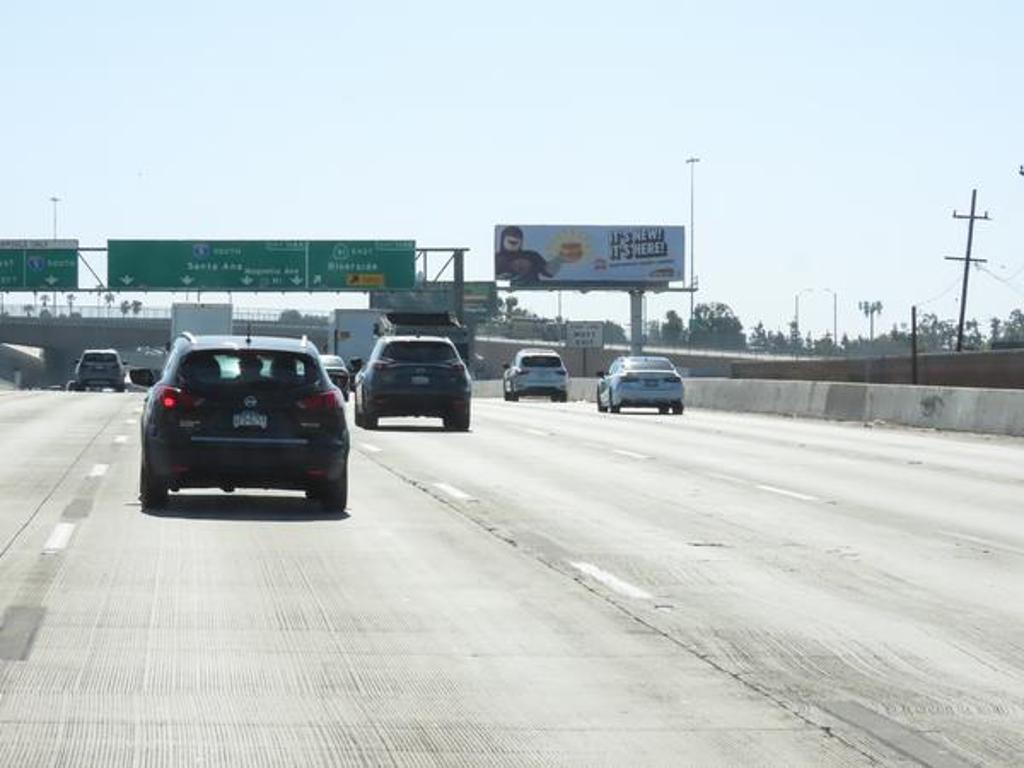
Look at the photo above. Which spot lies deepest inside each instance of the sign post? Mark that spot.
(251, 265)
(584, 335)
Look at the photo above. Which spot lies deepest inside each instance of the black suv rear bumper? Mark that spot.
(252, 464)
(411, 403)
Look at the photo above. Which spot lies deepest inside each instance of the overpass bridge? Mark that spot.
(62, 337)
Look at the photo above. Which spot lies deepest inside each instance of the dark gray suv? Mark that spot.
(98, 369)
(413, 376)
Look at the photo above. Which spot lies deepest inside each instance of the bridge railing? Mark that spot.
(116, 313)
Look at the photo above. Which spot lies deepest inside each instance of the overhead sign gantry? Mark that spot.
(260, 265)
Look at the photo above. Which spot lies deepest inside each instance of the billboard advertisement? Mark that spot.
(563, 255)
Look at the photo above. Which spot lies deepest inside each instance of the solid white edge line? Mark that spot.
(452, 491)
(98, 470)
(611, 581)
(629, 454)
(370, 448)
(784, 492)
(59, 538)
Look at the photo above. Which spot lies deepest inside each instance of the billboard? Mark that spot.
(564, 256)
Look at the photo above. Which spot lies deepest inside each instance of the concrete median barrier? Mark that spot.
(994, 411)
(962, 409)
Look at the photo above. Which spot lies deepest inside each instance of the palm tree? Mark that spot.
(126, 307)
(29, 309)
(108, 297)
(870, 309)
(71, 302)
(136, 307)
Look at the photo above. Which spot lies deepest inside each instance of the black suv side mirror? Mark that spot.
(142, 377)
(355, 364)
(600, 374)
(505, 366)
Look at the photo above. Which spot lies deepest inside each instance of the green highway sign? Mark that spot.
(260, 265)
(38, 265)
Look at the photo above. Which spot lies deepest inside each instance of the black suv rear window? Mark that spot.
(420, 352)
(542, 361)
(99, 357)
(248, 368)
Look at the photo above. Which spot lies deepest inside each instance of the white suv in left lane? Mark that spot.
(537, 373)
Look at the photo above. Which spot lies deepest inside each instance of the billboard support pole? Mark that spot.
(636, 322)
(459, 284)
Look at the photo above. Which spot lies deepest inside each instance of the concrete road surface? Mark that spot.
(556, 587)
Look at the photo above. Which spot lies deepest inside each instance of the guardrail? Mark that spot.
(116, 314)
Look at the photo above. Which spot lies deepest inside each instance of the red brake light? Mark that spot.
(458, 367)
(323, 401)
(172, 397)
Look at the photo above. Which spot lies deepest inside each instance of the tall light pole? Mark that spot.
(692, 162)
(835, 316)
(54, 199)
(796, 303)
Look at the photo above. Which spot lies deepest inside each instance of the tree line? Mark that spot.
(716, 326)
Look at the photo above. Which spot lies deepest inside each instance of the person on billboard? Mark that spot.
(519, 266)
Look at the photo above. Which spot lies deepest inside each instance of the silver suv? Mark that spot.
(98, 369)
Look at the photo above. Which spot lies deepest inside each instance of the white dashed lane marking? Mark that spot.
(120, 439)
(59, 538)
(630, 454)
(370, 448)
(452, 491)
(784, 492)
(612, 581)
(98, 470)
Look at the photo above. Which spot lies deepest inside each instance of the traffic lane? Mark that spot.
(249, 629)
(873, 501)
(804, 597)
(805, 458)
(50, 442)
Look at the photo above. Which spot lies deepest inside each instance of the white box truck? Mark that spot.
(353, 332)
(200, 319)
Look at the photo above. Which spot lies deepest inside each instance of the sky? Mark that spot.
(835, 139)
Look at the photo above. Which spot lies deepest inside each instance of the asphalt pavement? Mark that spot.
(555, 587)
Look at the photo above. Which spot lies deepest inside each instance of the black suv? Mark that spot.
(413, 376)
(235, 411)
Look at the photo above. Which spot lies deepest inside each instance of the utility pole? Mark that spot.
(967, 260)
(913, 344)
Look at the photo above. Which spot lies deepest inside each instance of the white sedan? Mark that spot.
(643, 382)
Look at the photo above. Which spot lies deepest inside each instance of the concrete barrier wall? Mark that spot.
(997, 369)
(963, 409)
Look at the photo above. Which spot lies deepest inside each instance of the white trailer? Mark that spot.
(353, 332)
(200, 319)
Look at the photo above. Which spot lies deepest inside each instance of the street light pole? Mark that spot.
(692, 161)
(796, 313)
(54, 199)
(835, 316)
